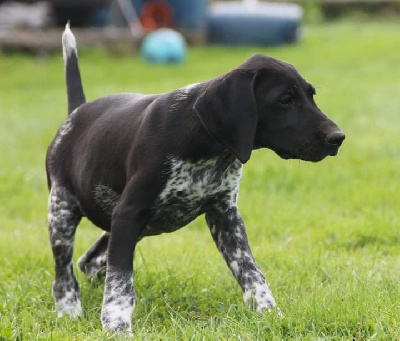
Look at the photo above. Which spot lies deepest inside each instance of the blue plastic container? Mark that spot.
(190, 14)
(254, 23)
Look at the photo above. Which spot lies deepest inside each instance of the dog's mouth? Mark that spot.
(334, 151)
(307, 153)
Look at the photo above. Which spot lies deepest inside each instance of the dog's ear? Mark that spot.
(228, 111)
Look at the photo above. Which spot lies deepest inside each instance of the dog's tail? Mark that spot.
(75, 93)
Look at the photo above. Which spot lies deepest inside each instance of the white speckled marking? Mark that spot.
(229, 234)
(189, 87)
(118, 302)
(192, 186)
(235, 267)
(201, 179)
(180, 96)
(238, 253)
(63, 217)
(69, 304)
(262, 296)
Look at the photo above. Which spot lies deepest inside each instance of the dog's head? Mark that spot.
(266, 103)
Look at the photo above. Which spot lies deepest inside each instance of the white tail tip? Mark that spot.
(68, 42)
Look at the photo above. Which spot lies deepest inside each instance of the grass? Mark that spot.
(326, 235)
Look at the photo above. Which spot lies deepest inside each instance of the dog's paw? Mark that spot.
(116, 326)
(69, 307)
(66, 296)
(95, 268)
(260, 298)
(95, 272)
(116, 316)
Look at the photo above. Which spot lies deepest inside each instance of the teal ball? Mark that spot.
(164, 46)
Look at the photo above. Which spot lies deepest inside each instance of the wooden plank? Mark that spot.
(50, 39)
(116, 40)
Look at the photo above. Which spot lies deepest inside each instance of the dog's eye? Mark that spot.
(287, 98)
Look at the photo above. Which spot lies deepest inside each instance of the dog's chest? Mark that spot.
(192, 186)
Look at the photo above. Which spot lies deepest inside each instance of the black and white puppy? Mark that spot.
(140, 165)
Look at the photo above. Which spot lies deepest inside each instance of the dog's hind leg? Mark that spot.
(94, 261)
(64, 216)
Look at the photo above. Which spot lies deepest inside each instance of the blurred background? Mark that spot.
(122, 25)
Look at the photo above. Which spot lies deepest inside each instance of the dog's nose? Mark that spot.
(336, 138)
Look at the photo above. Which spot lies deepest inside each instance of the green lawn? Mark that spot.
(326, 235)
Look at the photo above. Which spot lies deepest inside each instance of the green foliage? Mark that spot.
(326, 235)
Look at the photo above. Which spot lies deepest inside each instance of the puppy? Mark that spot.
(140, 165)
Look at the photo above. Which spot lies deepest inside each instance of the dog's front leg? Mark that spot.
(119, 294)
(229, 234)
(128, 220)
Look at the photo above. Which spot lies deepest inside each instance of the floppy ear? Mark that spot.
(228, 111)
